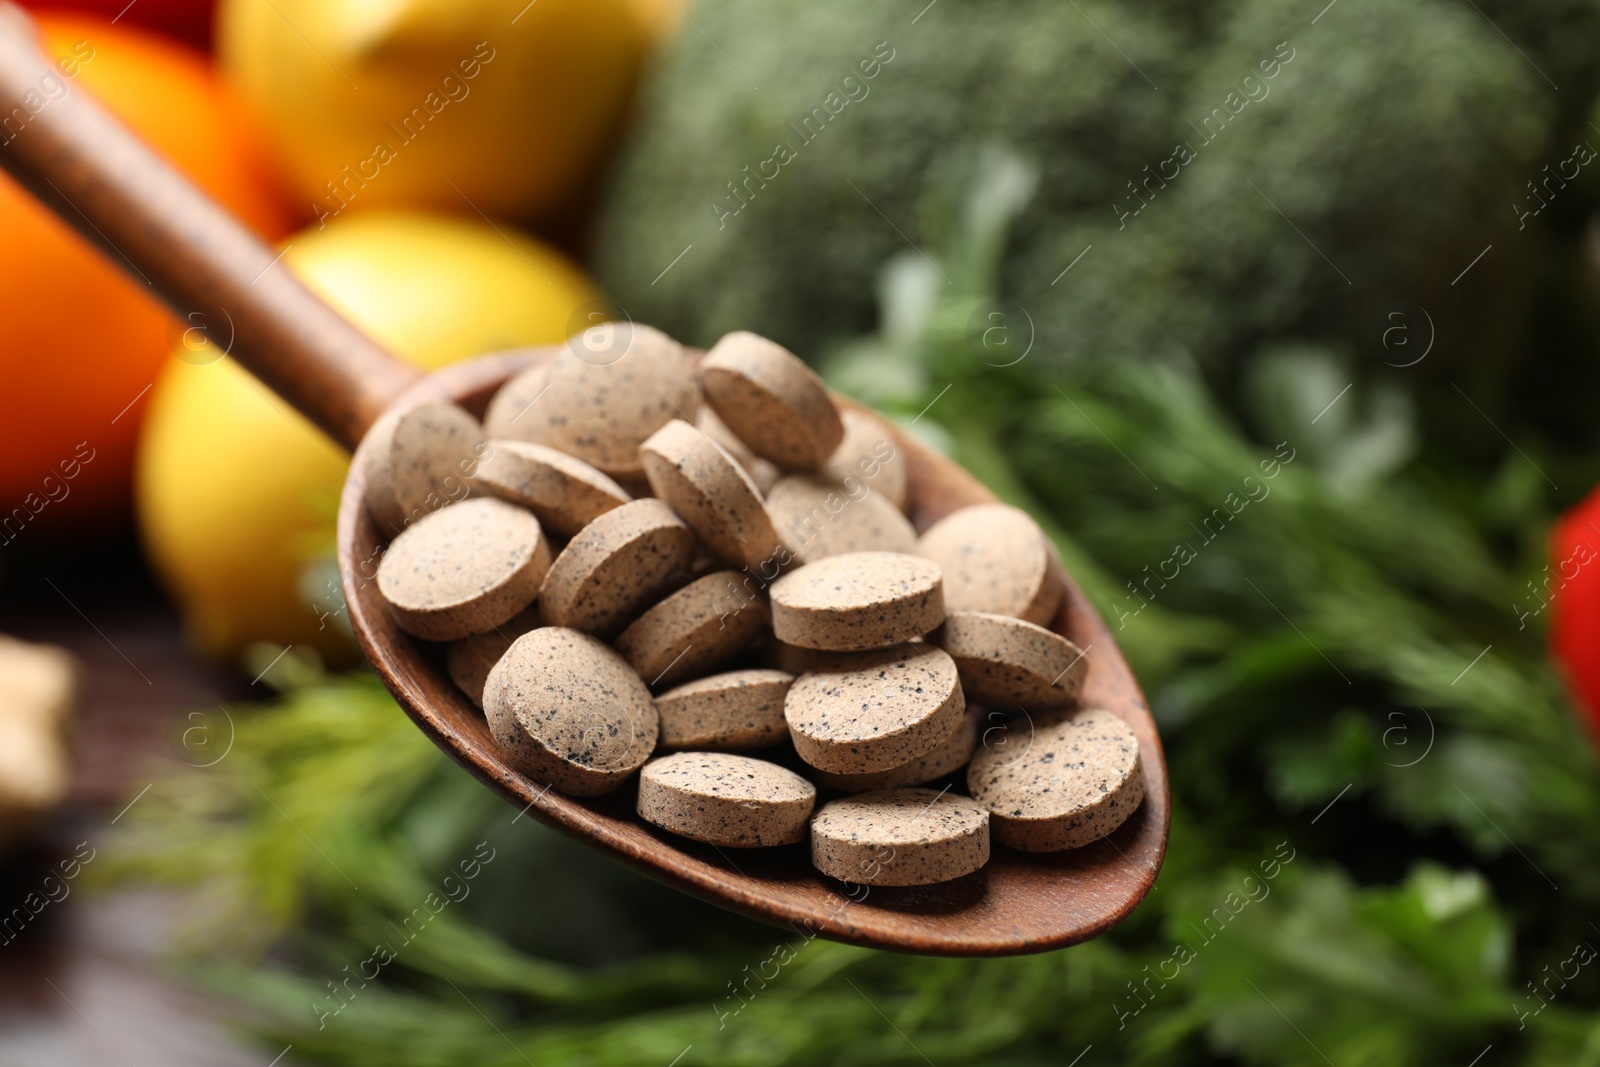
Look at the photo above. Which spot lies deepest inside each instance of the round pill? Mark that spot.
(565, 493)
(792, 659)
(875, 712)
(567, 710)
(818, 517)
(614, 566)
(1070, 780)
(859, 600)
(613, 386)
(463, 569)
(726, 800)
(731, 712)
(947, 757)
(1008, 662)
(695, 630)
(870, 453)
(772, 401)
(900, 837)
(995, 559)
(418, 460)
(470, 659)
(762, 474)
(507, 418)
(704, 485)
(797, 661)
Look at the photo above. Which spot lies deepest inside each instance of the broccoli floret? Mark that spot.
(1241, 172)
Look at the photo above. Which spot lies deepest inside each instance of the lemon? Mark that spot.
(504, 107)
(236, 492)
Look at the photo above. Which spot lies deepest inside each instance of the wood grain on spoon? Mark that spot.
(218, 277)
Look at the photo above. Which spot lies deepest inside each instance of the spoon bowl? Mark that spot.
(1018, 903)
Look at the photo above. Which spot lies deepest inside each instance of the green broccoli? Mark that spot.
(1231, 174)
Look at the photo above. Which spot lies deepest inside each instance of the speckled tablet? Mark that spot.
(995, 559)
(859, 600)
(419, 460)
(565, 709)
(772, 401)
(817, 517)
(871, 453)
(1071, 780)
(613, 386)
(1011, 663)
(947, 757)
(508, 415)
(725, 800)
(900, 837)
(470, 659)
(711, 493)
(695, 630)
(792, 659)
(564, 492)
(732, 712)
(880, 710)
(614, 566)
(463, 569)
(762, 473)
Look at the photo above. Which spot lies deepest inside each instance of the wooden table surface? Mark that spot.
(79, 985)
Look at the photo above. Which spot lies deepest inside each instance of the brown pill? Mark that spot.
(859, 600)
(762, 474)
(464, 569)
(1060, 781)
(418, 460)
(792, 659)
(470, 659)
(565, 493)
(695, 630)
(731, 712)
(870, 453)
(613, 386)
(947, 757)
(900, 837)
(614, 566)
(876, 711)
(508, 416)
(711, 493)
(1008, 662)
(818, 517)
(567, 710)
(772, 401)
(726, 800)
(995, 559)
(796, 660)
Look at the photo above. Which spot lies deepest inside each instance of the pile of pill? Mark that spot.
(700, 576)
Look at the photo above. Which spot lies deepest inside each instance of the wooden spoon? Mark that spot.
(223, 281)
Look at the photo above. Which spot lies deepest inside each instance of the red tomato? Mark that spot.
(187, 20)
(1572, 585)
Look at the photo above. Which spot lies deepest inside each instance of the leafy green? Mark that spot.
(1384, 810)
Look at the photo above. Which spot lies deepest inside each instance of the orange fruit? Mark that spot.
(82, 342)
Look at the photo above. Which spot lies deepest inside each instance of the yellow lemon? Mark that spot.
(236, 492)
(504, 107)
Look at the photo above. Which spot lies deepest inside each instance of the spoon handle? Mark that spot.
(223, 283)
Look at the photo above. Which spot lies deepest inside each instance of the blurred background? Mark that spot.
(1119, 259)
